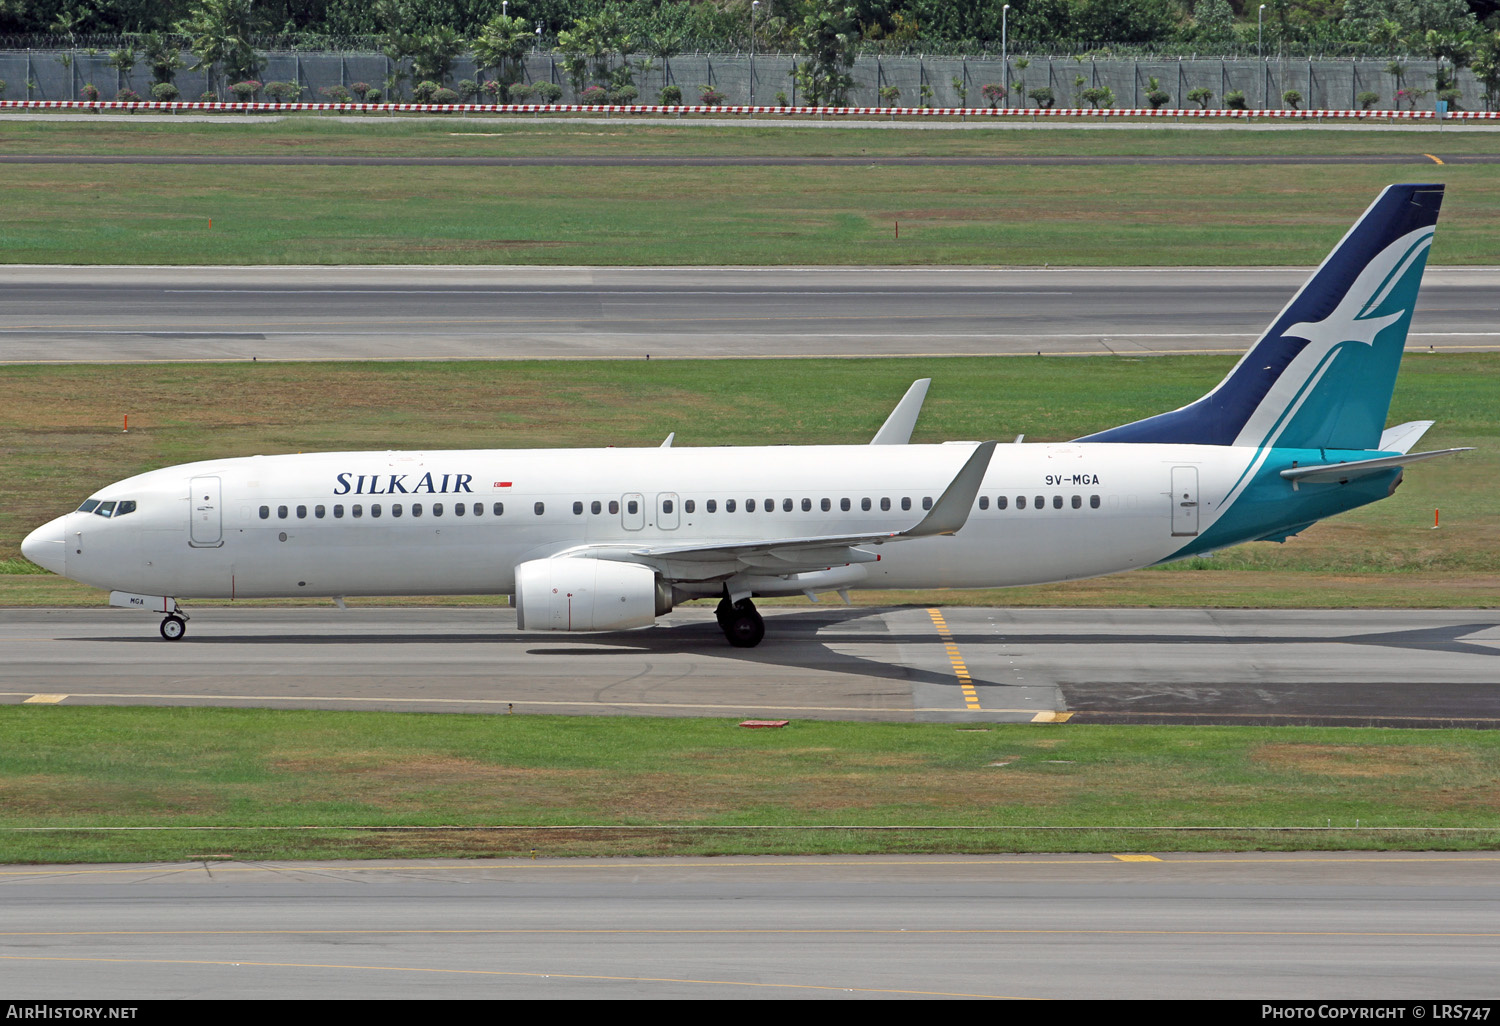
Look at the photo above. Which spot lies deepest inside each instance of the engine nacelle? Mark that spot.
(584, 595)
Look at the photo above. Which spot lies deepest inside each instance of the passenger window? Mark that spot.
(864, 504)
(125, 506)
(1093, 502)
(926, 502)
(107, 509)
(844, 505)
(1057, 502)
(265, 512)
(595, 507)
(906, 502)
(825, 505)
(807, 505)
(885, 504)
(322, 511)
(301, 512)
(712, 505)
(984, 502)
(689, 506)
(459, 509)
(357, 511)
(338, 512)
(1020, 502)
(666, 505)
(437, 509)
(632, 507)
(749, 505)
(1078, 502)
(578, 509)
(498, 509)
(786, 505)
(539, 508)
(89, 506)
(416, 509)
(1041, 502)
(479, 509)
(395, 509)
(770, 505)
(728, 505)
(614, 506)
(1001, 501)
(374, 509)
(281, 512)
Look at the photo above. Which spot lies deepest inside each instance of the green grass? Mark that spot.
(693, 786)
(1108, 216)
(60, 439)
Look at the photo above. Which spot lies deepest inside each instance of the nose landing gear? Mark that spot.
(174, 627)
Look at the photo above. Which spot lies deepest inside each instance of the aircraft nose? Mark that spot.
(47, 545)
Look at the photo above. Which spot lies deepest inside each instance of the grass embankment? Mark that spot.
(167, 768)
(1126, 215)
(60, 439)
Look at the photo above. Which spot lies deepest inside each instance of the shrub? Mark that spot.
(1235, 99)
(547, 92)
(961, 90)
(359, 89)
(283, 92)
(209, 97)
(1100, 97)
(709, 96)
(1292, 99)
(165, 92)
(129, 95)
(445, 95)
(336, 94)
(423, 92)
(890, 94)
(926, 92)
(1201, 96)
(1452, 96)
(2, 88)
(626, 94)
(520, 92)
(670, 96)
(90, 93)
(467, 89)
(245, 91)
(781, 100)
(594, 96)
(1043, 97)
(994, 92)
(1158, 98)
(1367, 99)
(373, 95)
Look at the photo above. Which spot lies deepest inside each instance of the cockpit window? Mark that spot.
(106, 509)
(125, 506)
(88, 505)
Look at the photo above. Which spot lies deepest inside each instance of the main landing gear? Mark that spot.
(741, 624)
(174, 627)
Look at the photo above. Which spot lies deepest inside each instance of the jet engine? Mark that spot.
(583, 594)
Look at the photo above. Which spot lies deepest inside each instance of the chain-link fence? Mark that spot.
(768, 79)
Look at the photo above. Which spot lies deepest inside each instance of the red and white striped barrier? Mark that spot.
(580, 108)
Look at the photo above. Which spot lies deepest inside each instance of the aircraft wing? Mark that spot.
(1345, 472)
(793, 555)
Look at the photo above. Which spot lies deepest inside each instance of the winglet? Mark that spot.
(949, 514)
(898, 426)
(668, 443)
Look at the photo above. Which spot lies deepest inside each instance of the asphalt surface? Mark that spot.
(1261, 927)
(85, 314)
(1402, 668)
(669, 160)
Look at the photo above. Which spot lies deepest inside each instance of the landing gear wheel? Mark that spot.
(173, 628)
(744, 627)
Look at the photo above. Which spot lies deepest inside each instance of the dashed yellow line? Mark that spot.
(1430, 157)
(44, 699)
(1137, 858)
(960, 669)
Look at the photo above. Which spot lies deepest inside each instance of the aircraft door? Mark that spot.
(666, 511)
(206, 526)
(633, 511)
(1184, 502)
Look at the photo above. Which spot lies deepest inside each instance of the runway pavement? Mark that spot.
(1425, 668)
(1257, 926)
(85, 314)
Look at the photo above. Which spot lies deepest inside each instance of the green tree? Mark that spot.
(502, 46)
(123, 60)
(434, 53)
(1486, 66)
(162, 56)
(220, 32)
(826, 41)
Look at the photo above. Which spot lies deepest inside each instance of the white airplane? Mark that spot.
(608, 539)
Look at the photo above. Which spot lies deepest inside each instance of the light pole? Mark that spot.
(1004, 43)
(1260, 39)
(539, 36)
(754, 6)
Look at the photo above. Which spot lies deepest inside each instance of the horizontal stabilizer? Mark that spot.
(1344, 472)
(1403, 436)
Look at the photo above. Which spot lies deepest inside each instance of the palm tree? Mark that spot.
(503, 45)
(220, 31)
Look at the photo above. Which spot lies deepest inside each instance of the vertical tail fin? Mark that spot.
(1322, 374)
